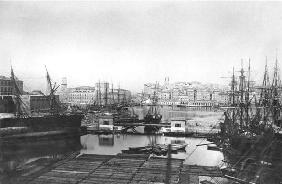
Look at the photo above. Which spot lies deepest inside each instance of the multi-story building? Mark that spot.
(222, 98)
(7, 104)
(6, 94)
(101, 94)
(191, 94)
(37, 102)
(203, 95)
(81, 96)
(186, 93)
(165, 95)
(151, 88)
(6, 86)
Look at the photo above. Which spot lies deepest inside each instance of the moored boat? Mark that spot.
(53, 122)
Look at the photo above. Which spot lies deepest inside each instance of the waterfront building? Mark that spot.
(81, 96)
(191, 94)
(7, 93)
(37, 102)
(186, 93)
(201, 103)
(178, 125)
(84, 96)
(106, 122)
(203, 95)
(184, 99)
(223, 99)
(169, 102)
(165, 95)
(6, 104)
(6, 86)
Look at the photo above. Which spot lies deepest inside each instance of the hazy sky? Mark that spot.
(132, 43)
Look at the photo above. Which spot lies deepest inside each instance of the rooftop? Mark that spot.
(4, 78)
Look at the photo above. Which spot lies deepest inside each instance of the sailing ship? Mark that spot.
(26, 124)
(153, 116)
(106, 105)
(250, 132)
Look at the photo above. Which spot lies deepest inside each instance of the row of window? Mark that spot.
(81, 97)
(5, 93)
(6, 89)
(5, 83)
(84, 91)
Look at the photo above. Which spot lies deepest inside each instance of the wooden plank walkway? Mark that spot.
(119, 169)
(190, 173)
(154, 171)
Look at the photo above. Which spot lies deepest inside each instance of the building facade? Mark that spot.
(37, 103)
(81, 96)
(6, 86)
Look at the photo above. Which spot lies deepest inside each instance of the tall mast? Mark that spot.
(275, 93)
(17, 93)
(265, 92)
(97, 94)
(106, 93)
(118, 94)
(53, 88)
(113, 97)
(233, 88)
(233, 83)
(247, 97)
(99, 88)
(242, 90)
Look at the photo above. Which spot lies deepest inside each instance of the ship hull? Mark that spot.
(153, 119)
(40, 125)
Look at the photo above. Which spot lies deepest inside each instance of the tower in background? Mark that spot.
(64, 84)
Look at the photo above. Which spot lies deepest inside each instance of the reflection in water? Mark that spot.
(17, 153)
(106, 140)
(193, 154)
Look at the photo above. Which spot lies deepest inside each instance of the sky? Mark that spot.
(129, 43)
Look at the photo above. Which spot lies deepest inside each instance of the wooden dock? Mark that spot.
(190, 173)
(117, 169)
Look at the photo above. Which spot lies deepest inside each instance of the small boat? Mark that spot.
(213, 147)
(158, 149)
(178, 147)
(138, 149)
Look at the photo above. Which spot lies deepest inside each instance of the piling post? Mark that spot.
(168, 168)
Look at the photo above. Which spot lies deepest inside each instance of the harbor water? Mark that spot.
(113, 144)
(15, 155)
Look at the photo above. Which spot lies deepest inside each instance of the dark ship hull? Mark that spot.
(153, 119)
(16, 127)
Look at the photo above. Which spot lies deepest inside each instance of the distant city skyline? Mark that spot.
(132, 43)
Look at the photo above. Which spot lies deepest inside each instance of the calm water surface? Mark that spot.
(113, 144)
(16, 154)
